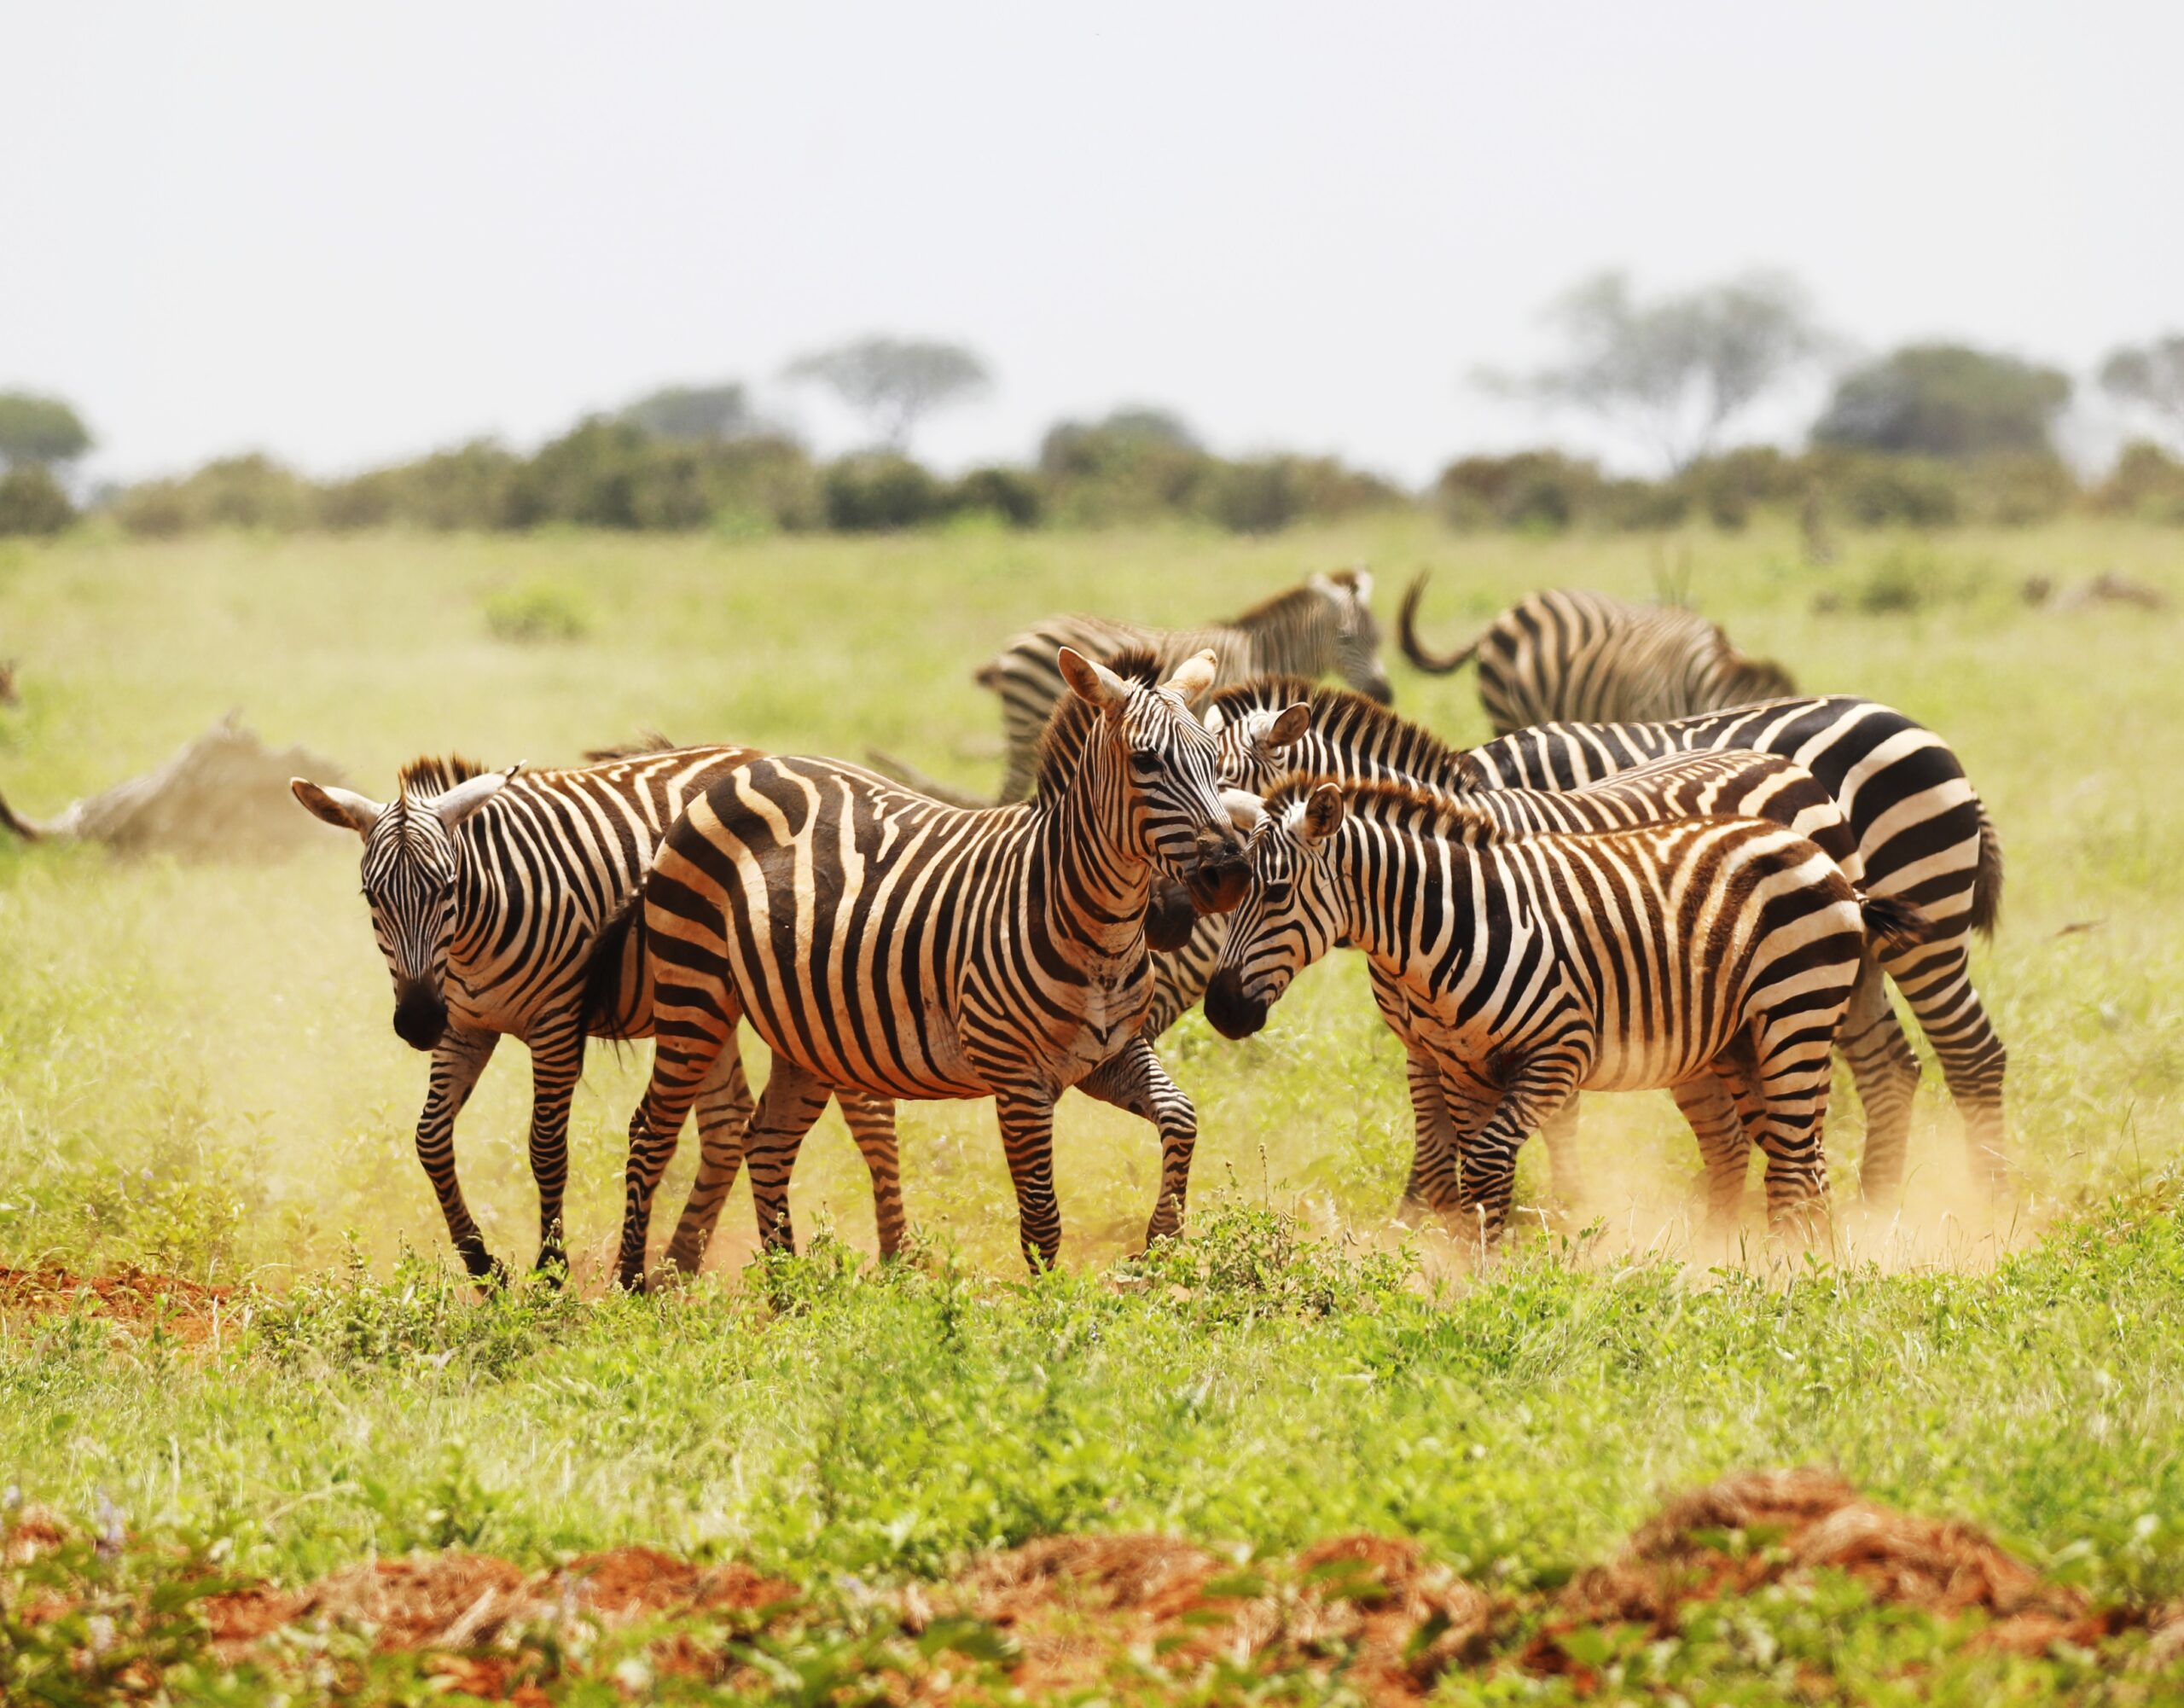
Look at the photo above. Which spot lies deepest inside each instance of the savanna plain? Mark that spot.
(261, 1441)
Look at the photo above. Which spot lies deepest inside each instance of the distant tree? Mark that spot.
(2152, 376)
(1946, 400)
(1122, 436)
(697, 412)
(894, 382)
(38, 430)
(1677, 368)
(31, 502)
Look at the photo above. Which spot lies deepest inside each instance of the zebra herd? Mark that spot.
(1644, 882)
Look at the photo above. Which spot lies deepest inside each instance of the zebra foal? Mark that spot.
(1566, 656)
(487, 891)
(1534, 965)
(885, 943)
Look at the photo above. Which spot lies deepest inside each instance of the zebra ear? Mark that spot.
(1091, 681)
(343, 808)
(1195, 676)
(1246, 812)
(465, 798)
(1322, 815)
(1290, 726)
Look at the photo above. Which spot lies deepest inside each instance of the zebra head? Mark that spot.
(1291, 914)
(1348, 593)
(1152, 771)
(412, 857)
(1252, 741)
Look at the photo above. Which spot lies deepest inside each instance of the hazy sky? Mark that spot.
(351, 234)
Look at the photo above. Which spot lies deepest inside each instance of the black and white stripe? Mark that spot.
(1704, 953)
(1563, 655)
(1324, 626)
(1922, 836)
(487, 892)
(883, 942)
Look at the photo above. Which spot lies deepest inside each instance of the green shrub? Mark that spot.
(2147, 482)
(31, 502)
(1240, 1261)
(251, 491)
(1538, 492)
(538, 611)
(1882, 492)
(1008, 493)
(877, 491)
(468, 487)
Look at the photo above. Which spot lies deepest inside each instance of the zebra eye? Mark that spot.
(1145, 764)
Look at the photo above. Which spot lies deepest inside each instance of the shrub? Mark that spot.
(1237, 1262)
(1008, 493)
(2146, 481)
(251, 491)
(31, 502)
(1946, 400)
(468, 487)
(1880, 491)
(877, 491)
(1726, 489)
(1538, 490)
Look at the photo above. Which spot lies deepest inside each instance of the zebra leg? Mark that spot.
(1936, 980)
(1885, 1070)
(1532, 1092)
(1027, 1139)
(556, 1063)
(724, 1108)
(1432, 1184)
(1712, 1108)
(1565, 1162)
(696, 1021)
(457, 1060)
(1784, 1100)
(1135, 1079)
(792, 1101)
(871, 1123)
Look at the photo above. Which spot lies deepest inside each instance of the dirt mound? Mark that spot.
(1372, 1606)
(1758, 1527)
(133, 1297)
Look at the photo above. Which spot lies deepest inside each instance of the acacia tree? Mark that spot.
(2152, 376)
(1673, 368)
(39, 430)
(893, 382)
(1946, 400)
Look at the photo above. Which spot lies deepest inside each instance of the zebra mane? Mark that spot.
(1344, 718)
(430, 774)
(1268, 610)
(1429, 812)
(1061, 743)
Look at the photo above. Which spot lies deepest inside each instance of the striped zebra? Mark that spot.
(1923, 837)
(1325, 625)
(1664, 955)
(884, 942)
(1563, 656)
(487, 891)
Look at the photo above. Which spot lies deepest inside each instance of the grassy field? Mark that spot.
(197, 1075)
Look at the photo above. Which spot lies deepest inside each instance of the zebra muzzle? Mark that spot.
(420, 1014)
(1169, 916)
(1222, 875)
(1229, 1011)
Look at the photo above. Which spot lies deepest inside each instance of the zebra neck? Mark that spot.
(1096, 886)
(1396, 888)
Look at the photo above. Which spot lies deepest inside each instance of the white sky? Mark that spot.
(348, 234)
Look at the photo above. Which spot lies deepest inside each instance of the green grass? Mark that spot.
(197, 1073)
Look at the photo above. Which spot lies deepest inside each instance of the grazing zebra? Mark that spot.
(1563, 656)
(1923, 837)
(1535, 965)
(487, 891)
(881, 941)
(1324, 625)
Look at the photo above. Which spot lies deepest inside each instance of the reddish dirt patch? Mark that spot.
(137, 1299)
(1758, 1527)
(1371, 1606)
(32, 1531)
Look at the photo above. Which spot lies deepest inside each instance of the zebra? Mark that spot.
(1567, 656)
(881, 941)
(487, 890)
(1324, 625)
(1664, 954)
(1923, 836)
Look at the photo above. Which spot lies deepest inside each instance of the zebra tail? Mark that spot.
(1895, 922)
(612, 979)
(1987, 881)
(1407, 626)
(989, 675)
(911, 777)
(22, 826)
